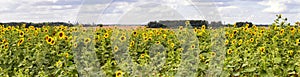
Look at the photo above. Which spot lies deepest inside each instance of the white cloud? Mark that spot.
(275, 6)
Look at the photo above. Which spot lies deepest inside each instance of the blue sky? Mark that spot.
(142, 11)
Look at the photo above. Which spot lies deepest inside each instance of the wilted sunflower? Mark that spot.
(119, 74)
(20, 41)
(122, 38)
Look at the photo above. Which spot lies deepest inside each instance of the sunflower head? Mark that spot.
(20, 41)
(297, 41)
(226, 42)
(203, 27)
(142, 56)
(119, 74)
(262, 49)
(6, 45)
(131, 43)
(87, 40)
(172, 45)
(231, 35)
(193, 46)
(106, 35)
(122, 38)
(61, 35)
(134, 33)
(291, 52)
(281, 31)
(21, 33)
(235, 32)
(116, 48)
(157, 42)
(251, 39)
(229, 51)
(240, 42)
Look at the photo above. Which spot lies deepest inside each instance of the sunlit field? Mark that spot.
(50, 51)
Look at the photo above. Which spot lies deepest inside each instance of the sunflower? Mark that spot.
(157, 42)
(235, 32)
(180, 27)
(134, 33)
(46, 30)
(293, 29)
(281, 31)
(213, 54)
(172, 45)
(131, 43)
(229, 51)
(233, 42)
(262, 49)
(106, 35)
(61, 34)
(119, 74)
(291, 52)
(193, 46)
(52, 42)
(75, 45)
(58, 64)
(67, 55)
(142, 55)
(187, 23)
(87, 40)
(116, 48)
(252, 40)
(150, 38)
(6, 45)
(21, 33)
(122, 38)
(254, 27)
(240, 42)
(226, 42)
(20, 41)
(203, 27)
(46, 37)
(231, 35)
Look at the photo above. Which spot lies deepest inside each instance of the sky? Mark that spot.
(143, 11)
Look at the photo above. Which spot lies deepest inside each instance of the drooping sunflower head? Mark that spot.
(6, 45)
(297, 41)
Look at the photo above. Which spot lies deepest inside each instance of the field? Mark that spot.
(111, 52)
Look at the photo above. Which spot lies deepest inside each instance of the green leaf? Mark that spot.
(277, 60)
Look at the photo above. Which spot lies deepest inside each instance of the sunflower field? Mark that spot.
(50, 51)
